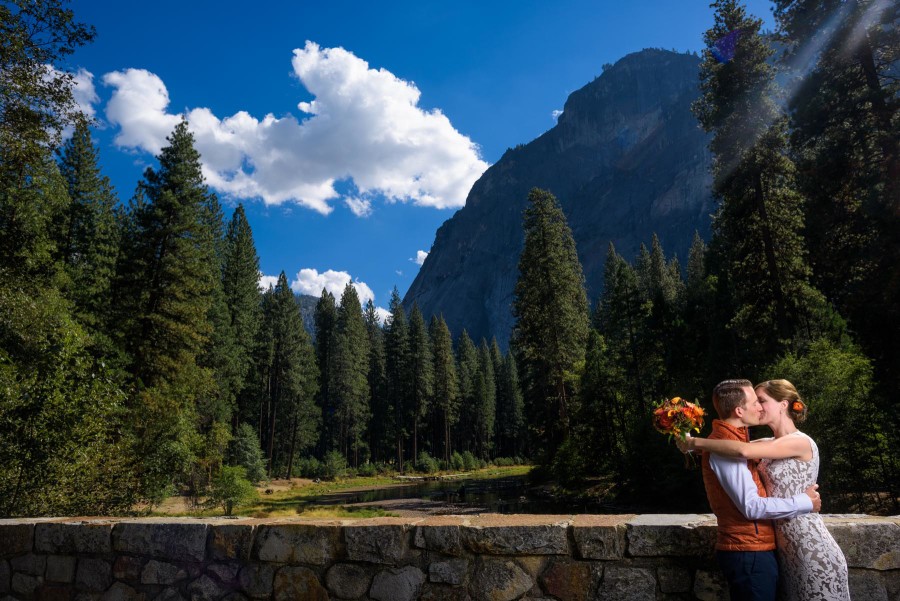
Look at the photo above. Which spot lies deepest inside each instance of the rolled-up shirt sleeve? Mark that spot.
(734, 475)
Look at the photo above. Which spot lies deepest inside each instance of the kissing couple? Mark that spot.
(765, 497)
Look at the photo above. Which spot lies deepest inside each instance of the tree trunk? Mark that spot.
(290, 468)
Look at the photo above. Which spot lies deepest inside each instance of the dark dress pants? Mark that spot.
(751, 575)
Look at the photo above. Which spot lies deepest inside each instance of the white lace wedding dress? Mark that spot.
(812, 565)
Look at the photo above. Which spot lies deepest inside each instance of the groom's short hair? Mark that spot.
(728, 395)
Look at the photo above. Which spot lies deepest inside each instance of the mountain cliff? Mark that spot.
(625, 159)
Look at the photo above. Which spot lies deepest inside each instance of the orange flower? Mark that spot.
(797, 406)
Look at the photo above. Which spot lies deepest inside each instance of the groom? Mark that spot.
(745, 544)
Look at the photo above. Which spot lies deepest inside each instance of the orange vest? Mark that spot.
(735, 532)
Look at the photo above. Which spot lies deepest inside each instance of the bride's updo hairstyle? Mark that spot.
(782, 390)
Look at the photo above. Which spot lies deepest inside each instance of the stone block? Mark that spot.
(600, 536)
(53, 592)
(316, 544)
(256, 580)
(397, 584)
(663, 535)
(224, 572)
(516, 535)
(710, 586)
(121, 592)
(627, 584)
(206, 589)
(673, 580)
(292, 583)
(16, 538)
(868, 585)
(169, 594)
(159, 572)
(533, 564)
(499, 580)
(5, 575)
(234, 596)
(440, 533)
(31, 564)
(347, 580)
(871, 543)
(383, 540)
(230, 541)
(568, 580)
(452, 571)
(73, 537)
(60, 568)
(25, 584)
(93, 574)
(172, 540)
(126, 567)
(443, 592)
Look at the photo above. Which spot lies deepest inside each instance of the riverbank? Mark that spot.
(340, 498)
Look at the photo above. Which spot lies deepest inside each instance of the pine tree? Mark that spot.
(399, 382)
(290, 414)
(380, 439)
(349, 374)
(166, 289)
(467, 359)
(486, 399)
(421, 372)
(240, 284)
(446, 383)
(172, 259)
(325, 318)
(758, 225)
(510, 425)
(91, 244)
(552, 322)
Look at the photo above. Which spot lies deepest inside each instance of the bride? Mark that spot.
(812, 565)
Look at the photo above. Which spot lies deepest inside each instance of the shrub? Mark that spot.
(334, 465)
(469, 461)
(366, 469)
(231, 488)
(456, 461)
(245, 451)
(426, 463)
(308, 467)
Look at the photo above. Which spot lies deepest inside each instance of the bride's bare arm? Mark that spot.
(779, 448)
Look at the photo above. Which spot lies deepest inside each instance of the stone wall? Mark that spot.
(489, 557)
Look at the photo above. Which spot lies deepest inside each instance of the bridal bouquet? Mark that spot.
(677, 417)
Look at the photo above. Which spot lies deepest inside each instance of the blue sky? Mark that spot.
(406, 104)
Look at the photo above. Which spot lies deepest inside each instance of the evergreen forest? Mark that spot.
(139, 357)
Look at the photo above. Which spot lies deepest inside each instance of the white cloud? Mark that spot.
(420, 257)
(361, 207)
(311, 282)
(267, 280)
(84, 93)
(138, 107)
(383, 315)
(556, 113)
(363, 125)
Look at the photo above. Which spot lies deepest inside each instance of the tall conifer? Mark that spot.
(552, 322)
(421, 372)
(446, 383)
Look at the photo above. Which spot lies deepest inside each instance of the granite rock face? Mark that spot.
(626, 159)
